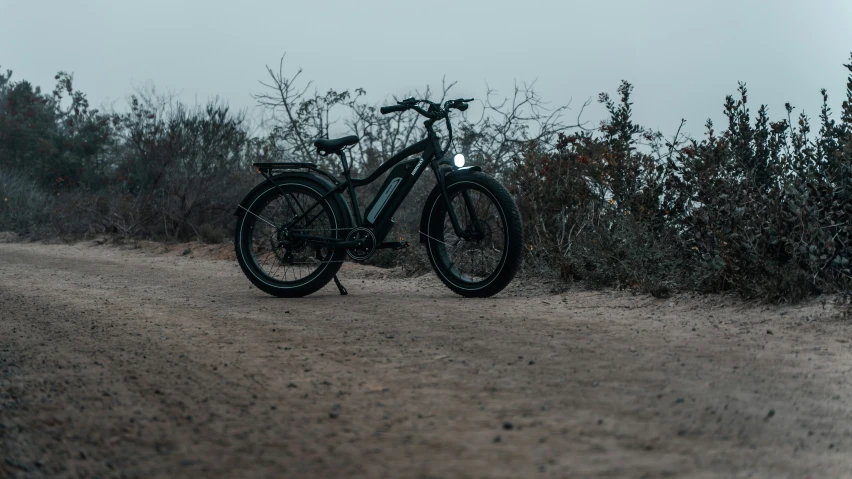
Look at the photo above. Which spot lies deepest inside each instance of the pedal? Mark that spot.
(394, 245)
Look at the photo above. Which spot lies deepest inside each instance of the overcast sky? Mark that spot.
(683, 56)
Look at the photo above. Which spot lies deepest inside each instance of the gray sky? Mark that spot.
(683, 56)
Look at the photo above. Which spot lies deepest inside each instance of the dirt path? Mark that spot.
(128, 364)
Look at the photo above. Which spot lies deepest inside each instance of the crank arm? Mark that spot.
(394, 245)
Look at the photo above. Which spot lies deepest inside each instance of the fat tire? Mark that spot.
(242, 236)
(514, 233)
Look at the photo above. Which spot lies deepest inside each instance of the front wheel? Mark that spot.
(484, 258)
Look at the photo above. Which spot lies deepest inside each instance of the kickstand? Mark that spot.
(343, 291)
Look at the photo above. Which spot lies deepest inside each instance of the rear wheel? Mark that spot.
(270, 257)
(484, 258)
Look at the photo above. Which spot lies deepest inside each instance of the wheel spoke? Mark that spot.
(477, 258)
(273, 251)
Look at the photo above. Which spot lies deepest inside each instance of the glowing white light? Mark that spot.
(459, 160)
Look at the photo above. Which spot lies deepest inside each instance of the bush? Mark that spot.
(211, 235)
(762, 208)
(163, 170)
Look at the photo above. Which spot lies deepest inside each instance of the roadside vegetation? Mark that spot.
(758, 206)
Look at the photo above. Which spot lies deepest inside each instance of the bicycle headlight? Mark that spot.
(458, 160)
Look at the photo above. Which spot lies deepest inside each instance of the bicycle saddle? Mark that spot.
(326, 146)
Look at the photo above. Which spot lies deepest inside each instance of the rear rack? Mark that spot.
(266, 169)
(283, 166)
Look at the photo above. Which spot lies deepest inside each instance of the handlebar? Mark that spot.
(435, 111)
(393, 108)
(459, 104)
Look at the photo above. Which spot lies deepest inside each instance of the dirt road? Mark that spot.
(118, 363)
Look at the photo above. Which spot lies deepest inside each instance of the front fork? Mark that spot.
(461, 233)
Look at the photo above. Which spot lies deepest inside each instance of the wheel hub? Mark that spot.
(284, 246)
(482, 234)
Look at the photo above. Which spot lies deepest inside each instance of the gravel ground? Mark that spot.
(148, 362)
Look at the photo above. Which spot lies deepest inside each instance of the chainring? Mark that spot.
(368, 246)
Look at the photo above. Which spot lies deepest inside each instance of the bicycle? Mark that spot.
(295, 228)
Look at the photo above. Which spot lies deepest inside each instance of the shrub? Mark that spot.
(210, 234)
(162, 170)
(762, 208)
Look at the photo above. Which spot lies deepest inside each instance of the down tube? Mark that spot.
(397, 186)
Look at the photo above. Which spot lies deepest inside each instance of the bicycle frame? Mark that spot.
(378, 218)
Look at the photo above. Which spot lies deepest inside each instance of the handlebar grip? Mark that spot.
(462, 107)
(394, 108)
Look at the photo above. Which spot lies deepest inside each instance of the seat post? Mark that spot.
(345, 165)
